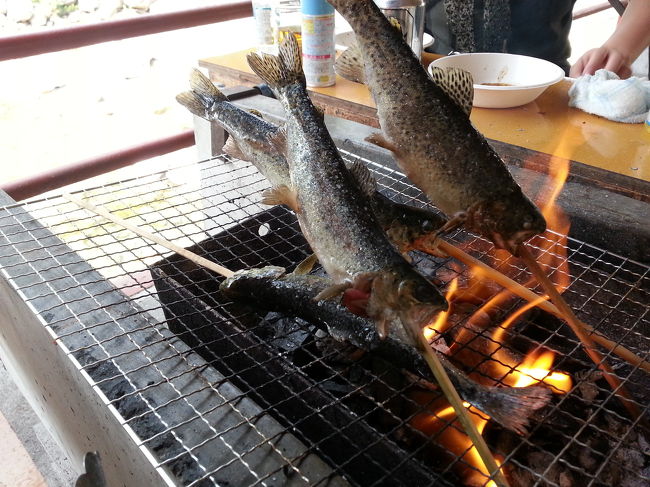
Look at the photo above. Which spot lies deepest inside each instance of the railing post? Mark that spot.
(209, 138)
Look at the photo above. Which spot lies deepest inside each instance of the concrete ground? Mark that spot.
(60, 108)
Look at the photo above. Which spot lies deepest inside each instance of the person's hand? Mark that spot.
(603, 57)
(623, 46)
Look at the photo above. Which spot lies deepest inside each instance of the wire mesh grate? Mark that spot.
(218, 392)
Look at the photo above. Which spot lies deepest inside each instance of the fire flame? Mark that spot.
(472, 344)
(449, 433)
(440, 324)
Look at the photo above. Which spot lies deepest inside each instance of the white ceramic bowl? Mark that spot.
(526, 77)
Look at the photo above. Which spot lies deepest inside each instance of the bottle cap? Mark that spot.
(316, 7)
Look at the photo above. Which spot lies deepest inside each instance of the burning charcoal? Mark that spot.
(586, 459)
(290, 334)
(644, 446)
(586, 384)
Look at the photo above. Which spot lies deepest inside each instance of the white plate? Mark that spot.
(526, 76)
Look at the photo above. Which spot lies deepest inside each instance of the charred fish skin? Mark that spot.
(292, 294)
(432, 137)
(335, 216)
(251, 136)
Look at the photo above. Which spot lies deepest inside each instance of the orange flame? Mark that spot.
(439, 325)
(472, 345)
(471, 469)
(536, 368)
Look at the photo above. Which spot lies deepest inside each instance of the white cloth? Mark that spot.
(606, 95)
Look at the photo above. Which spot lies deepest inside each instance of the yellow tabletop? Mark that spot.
(546, 125)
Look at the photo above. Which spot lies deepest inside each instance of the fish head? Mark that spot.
(408, 295)
(231, 286)
(506, 223)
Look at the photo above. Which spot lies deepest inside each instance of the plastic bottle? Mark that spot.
(263, 29)
(318, 48)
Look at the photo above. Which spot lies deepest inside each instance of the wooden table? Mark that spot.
(597, 147)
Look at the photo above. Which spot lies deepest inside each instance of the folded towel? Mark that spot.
(606, 95)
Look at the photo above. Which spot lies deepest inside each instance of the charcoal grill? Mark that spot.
(141, 358)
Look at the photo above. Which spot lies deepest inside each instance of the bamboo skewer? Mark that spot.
(419, 341)
(573, 322)
(197, 259)
(461, 412)
(530, 296)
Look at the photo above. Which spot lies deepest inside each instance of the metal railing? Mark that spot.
(52, 40)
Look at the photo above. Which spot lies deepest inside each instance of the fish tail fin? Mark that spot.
(282, 70)
(202, 86)
(513, 406)
(192, 102)
(203, 95)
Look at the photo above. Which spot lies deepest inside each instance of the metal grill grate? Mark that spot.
(215, 393)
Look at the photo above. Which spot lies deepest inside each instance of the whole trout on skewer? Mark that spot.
(272, 289)
(334, 215)
(251, 140)
(426, 125)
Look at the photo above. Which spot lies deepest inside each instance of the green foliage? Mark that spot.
(63, 10)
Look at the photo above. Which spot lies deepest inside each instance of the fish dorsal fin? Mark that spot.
(202, 86)
(281, 195)
(306, 265)
(364, 177)
(349, 65)
(278, 138)
(457, 83)
(231, 149)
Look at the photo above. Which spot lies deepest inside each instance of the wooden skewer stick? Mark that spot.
(434, 363)
(530, 296)
(461, 412)
(573, 322)
(197, 259)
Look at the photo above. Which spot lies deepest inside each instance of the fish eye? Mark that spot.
(528, 222)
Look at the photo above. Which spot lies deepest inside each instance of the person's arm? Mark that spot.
(631, 37)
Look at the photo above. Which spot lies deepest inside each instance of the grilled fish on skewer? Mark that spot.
(426, 126)
(334, 214)
(250, 140)
(270, 288)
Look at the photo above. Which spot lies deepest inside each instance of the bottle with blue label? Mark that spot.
(318, 48)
